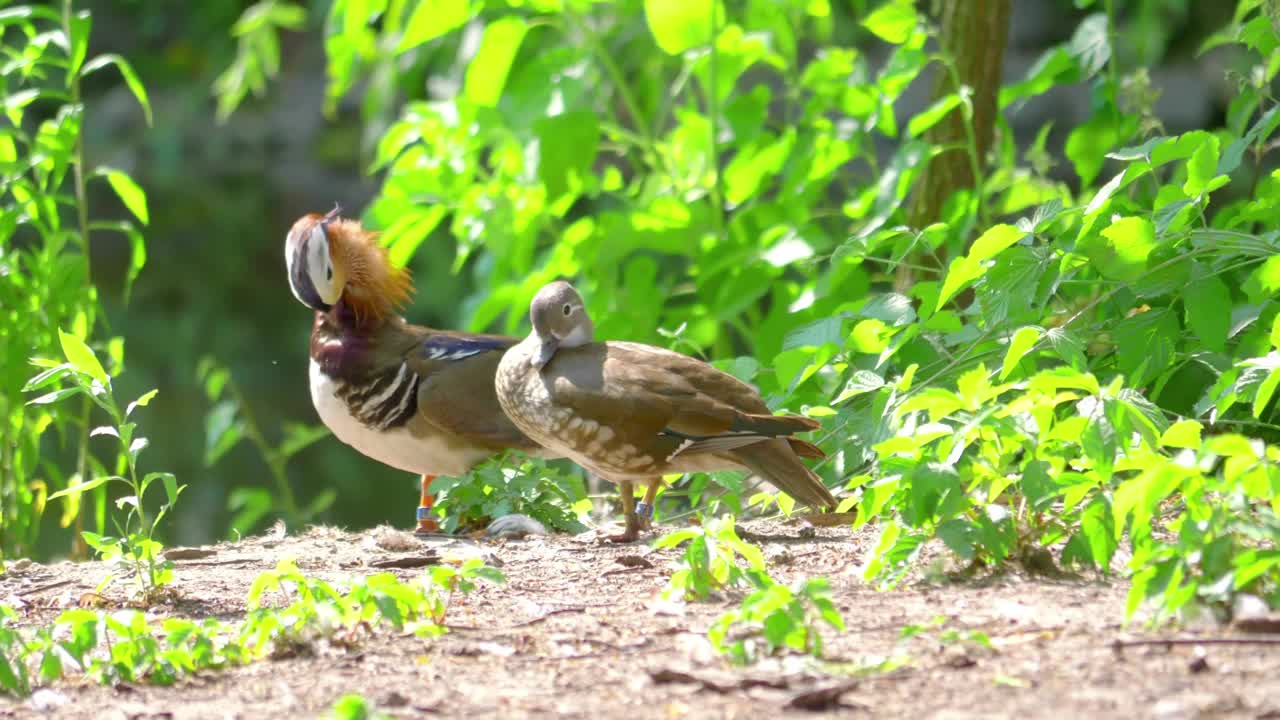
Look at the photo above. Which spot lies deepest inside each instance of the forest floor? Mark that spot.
(577, 631)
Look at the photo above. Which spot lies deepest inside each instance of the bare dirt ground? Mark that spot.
(576, 633)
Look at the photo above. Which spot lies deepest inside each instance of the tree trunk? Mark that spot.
(974, 35)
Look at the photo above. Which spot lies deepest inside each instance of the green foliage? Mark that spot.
(125, 646)
(257, 58)
(319, 610)
(782, 616)
(45, 279)
(135, 550)
(945, 635)
(712, 560)
(534, 488)
(1057, 461)
(230, 420)
(718, 191)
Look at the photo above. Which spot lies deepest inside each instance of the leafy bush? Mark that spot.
(45, 278)
(534, 488)
(720, 189)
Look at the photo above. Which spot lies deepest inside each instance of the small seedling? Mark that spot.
(135, 551)
(777, 617)
(712, 560)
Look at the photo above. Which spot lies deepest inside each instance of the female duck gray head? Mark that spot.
(559, 319)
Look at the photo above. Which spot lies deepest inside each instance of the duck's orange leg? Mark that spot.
(426, 520)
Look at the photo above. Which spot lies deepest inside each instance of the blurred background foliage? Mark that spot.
(501, 144)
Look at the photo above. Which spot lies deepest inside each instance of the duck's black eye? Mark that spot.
(328, 273)
(567, 309)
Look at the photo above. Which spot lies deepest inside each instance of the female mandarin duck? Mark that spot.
(632, 413)
(414, 398)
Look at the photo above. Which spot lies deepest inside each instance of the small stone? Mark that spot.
(515, 526)
(394, 699)
(44, 699)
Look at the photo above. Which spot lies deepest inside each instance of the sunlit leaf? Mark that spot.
(678, 25)
(128, 191)
(487, 74)
(82, 357)
(130, 78)
(1021, 343)
(431, 19)
(893, 21)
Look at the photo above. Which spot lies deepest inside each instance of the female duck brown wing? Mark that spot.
(664, 403)
(667, 405)
(456, 392)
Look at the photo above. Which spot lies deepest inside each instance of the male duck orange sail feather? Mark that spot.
(414, 398)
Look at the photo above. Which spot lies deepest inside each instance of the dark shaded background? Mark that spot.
(222, 197)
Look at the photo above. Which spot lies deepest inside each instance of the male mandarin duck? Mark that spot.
(414, 398)
(632, 413)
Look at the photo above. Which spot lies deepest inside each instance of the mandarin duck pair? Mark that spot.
(434, 402)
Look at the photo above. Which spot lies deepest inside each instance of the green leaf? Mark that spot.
(1089, 45)
(130, 78)
(56, 395)
(1183, 434)
(1098, 526)
(1146, 343)
(408, 232)
(80, 23)
(963, 271)
(752, 165)
(352, 707)
(1019, 346)
(487, 73)
(431, 19)
(930, 116)
(81, 356)
(85, 486)
(892, 22)
(128, 191)
(142, 401)
(567, 145)
(995, 240)
(53, 374)
(1265, 391)
(1088, 144)
(862, 381)
(1202, 169)
(1207, 302)
(1122, 249)
(678, 25)
(137, 245)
